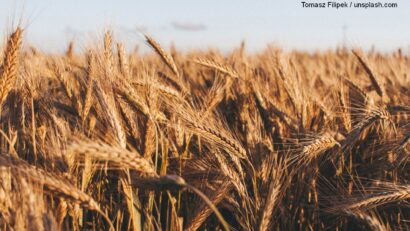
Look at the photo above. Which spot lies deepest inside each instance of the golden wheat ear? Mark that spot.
(217, 66)
(70, 50)
(319, 146)
(104, 152)
(53, 184)
(108, 56)
(373, 201)
(122, 60)
(370, 74)
(10, 64)
(165, 57)
(88, 100)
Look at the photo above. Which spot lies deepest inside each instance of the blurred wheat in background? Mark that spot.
(110, 140)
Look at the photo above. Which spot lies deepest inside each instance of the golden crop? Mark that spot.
(277, 140)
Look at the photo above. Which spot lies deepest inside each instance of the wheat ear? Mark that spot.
(108, 56)
(370, 74)
(217, 66)
(105, 152)
(375, 200)
(10, 64)
(122, 60)
(55, 185)
(165, 57)
(318, 146)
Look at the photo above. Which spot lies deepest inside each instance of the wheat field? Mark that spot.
(106, 139)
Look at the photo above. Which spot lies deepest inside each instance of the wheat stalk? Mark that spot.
(203, 211)
(372, 221)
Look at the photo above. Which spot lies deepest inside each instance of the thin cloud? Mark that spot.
(132, 30)
(72, 32)
(187, 26)
(142, 29)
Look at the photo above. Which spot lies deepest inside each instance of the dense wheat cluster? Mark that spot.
(113, 140)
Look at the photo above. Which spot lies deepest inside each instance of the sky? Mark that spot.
(223, 24)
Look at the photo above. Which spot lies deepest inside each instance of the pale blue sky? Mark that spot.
(201, 24)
